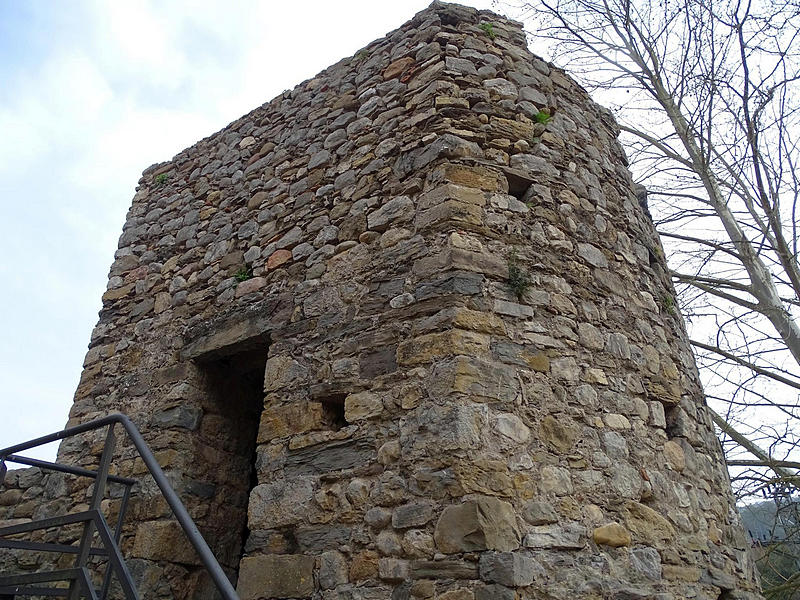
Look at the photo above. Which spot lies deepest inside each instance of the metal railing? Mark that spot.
(80, 583)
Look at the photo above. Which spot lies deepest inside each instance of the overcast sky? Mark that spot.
(91, 93)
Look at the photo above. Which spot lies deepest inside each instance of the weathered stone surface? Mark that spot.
(447, 146)
(557, 433)
(327, 457)
(590, 336)
(611, 534)
(457, 594)
(163, 540)
(533, 166)
(364, 566)
(615, 421)
(436, 345)
(454, 426)
(495, 592)
(566, 536)
(393, 569)
(509, 568)
(674, 455)
(448, 214)
(313, 540)
(556, 480)
(276, 576)
(615, 445)
(250, 286)
(278, 258)
(378, 517)
(460, 193)
(481, 524)
(680, 573)
(282, 372)
(412, 515)
(362, 406)
(280, 503)
(10, 497)
(281, 421)
(187, 417)
(443, 569)
(539, 513)
(647, 561)
(504, 89)
(479, 378)
(646, 525)
(592, 255)
(396, 211)
(471, 176)
(332, 569)
(512, 427)
(397, 67)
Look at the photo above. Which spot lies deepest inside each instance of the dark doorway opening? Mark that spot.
(233, 382)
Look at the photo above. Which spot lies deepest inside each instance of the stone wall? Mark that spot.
(29, 494)
(475, 384)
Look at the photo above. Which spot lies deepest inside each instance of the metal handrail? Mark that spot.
(207, 557)
(80, 471)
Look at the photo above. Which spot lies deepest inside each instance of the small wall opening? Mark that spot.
(675, 424)
(233, 380)
(333, 411)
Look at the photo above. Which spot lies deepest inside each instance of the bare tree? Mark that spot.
(707, 96)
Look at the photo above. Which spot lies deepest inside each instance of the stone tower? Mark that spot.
(405, 332)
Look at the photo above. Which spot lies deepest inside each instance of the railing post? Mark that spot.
(117, 534)
(97, 498)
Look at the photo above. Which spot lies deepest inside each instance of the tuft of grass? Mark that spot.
(542, 117)
(243, 274)
(362, 54)
(668, 303)
(161, 179)
(488, 29)
(519, 281)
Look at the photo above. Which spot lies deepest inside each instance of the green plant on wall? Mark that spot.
(542, 117)
(488, 29)
(668, 302)
(362, 54)
(243, 274)
(519, 280)
(161, 179)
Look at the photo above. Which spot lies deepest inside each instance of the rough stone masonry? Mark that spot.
(405, 332)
